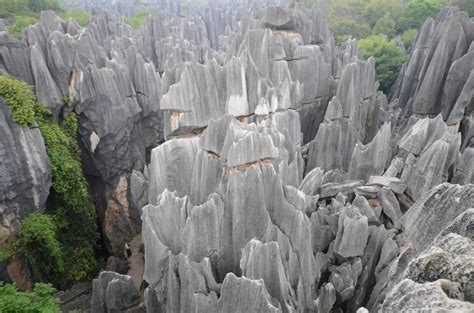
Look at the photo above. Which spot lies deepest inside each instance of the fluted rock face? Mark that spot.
(331, 234)
(112, 292)
(438, 77)
(437, 261)
(287, 181)
(25, 176)
(422, 227)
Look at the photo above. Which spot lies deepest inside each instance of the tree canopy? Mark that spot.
(40, 300)
(417, 11)
(388, 58)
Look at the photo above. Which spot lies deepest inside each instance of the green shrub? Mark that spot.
(20, 98)
(73, 211)
(37, 241)
(40, 300)
(43, 5)
(72, 218)
(138, 19)
(21, 22)
(408, 36)
(81, 16)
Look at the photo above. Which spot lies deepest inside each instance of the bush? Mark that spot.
(408, 36)
(138, 19)
(21, 22)
(74, 213)
(82, 17)
(388, 59)
(40, 300)
(37, 241)
(66, 238)
(43, 5)
(20, 98)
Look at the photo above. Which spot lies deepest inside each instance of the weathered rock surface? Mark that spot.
(287, 182)
(112, 292)
(25, 176)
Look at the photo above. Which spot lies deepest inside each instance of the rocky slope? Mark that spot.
(263, 167)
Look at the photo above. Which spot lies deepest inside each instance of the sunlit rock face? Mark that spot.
(262, 166)
(326, 225)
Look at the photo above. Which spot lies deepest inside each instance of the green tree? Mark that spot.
(385, 26)
(40, 300)
(388, 58)
(342, 27)
(9, 8)
(378, 9)
(417, 11)
(408, 36)
(43, 5)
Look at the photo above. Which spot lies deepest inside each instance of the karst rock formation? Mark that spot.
(259, 161)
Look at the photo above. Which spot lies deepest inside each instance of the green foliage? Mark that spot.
(6, 251)
(82, 17)
(342, 27)
(43, 5)
(40, 300)
(9, 8)
(378, 9)
(74, 213)
(384, 26)
(20, 98)
(408, 36)
(66, 238)
(361, 18)
(21, 22)
(26, 12)
(417, 11)
(37, 241)
(138, 19)
(388, 58)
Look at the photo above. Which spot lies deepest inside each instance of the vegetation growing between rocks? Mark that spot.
(27, 12)
(40, 300)
(388, 59)
(81, 16)
(68, 234)
(138, 19)
(20, 98)
(37, 241)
